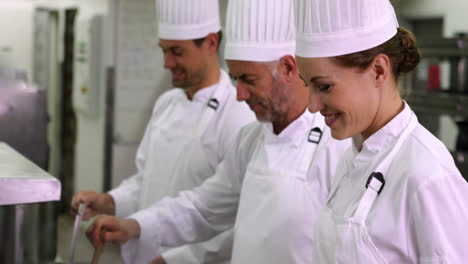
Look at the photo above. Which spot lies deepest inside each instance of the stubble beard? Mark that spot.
(194, 79)
(282, 97)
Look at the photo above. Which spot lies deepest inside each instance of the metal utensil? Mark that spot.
(76, 229)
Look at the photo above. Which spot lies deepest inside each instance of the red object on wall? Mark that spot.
(434, 77)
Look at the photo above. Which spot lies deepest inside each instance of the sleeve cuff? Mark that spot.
(123, 205)
(147, 246)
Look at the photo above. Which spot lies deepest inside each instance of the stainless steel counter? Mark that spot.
(22, 185)
(23, 182)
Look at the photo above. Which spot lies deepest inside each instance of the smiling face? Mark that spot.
(266, 94)
(346, 97)
(185, 60)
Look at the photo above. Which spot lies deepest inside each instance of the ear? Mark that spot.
(212, 42)
(288, 67)
(381, 69)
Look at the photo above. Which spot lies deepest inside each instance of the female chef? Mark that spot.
(397, 197)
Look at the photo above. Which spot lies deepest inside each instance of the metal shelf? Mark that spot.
(441, 52)
(439, 103)
(449, 47)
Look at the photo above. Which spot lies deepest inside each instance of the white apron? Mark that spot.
(179, 160)
(177, 152)
(274, 219)
(341, 239)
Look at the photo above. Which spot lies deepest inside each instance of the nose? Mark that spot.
(169, 61)
(242, 92)
(315, 101)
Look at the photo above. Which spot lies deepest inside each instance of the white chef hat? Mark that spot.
(329, 28)
(187, 19)
(260, 30)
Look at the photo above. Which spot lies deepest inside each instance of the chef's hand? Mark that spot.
(116, 230)
(95, 204)
(158, 260)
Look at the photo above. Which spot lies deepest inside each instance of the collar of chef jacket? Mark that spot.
(383, 138)
(205, 93)
(296, 132)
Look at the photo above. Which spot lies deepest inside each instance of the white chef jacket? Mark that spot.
(211, 208)
(174, 156)
(421, 214)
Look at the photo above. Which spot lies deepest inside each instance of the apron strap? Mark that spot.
(314, 137)
(376, 180)
(313, 140)
(374, 186)
(213, 104)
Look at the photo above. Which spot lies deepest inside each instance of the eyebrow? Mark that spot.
(316, 78)
(170, 47)
(242, 76)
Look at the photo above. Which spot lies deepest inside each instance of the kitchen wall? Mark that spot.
(453, 13)
(89, 148)
(16, 49)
